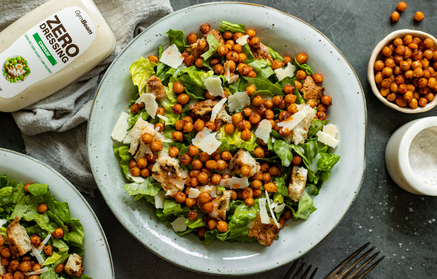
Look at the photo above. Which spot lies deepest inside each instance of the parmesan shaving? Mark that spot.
(214, 86)
(39, 271)
(150, 102)
(37, 255)
(162, 117)
(172, 57)
(271, 211)
(242, 40)
(238, 100)
(193, 193)
(2, 222)
(331, 130)
(217, 108)
(327, 139)
(210, 144)
(282, 73)
(235, 182)
(160, 199)
(263, 131)
(136, 179)
(263, 212)
(178, 225)
(279, 208)
(120, 129)
(292, 121)
(200, 136)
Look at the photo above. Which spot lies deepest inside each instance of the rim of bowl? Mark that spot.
(404, 163)
(371, 73)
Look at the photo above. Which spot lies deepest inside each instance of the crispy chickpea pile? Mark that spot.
(205, 169)
(17, 267)
(405, 74)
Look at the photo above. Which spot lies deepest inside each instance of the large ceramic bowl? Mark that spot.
(25, 169)
(287, 35)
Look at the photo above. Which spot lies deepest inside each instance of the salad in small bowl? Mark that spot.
(225, 137)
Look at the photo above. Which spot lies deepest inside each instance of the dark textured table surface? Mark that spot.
(402, 225)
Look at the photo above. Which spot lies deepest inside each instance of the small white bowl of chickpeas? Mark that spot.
(401, 71)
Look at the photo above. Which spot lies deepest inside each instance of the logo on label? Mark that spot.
(16, 69)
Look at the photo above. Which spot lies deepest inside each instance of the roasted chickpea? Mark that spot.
(419, 16)
(246, 134)
(190, 202)
(257, 101)
(135, 171)
(185, 159)
(227, 35)
(173, 152)
(428, 43)
(204, 197)
(387, 72)
(423, 101)
(210, 125)
(226, 155)
(237, 118)
(156, 146)
(247, 111)
(42, 208)
(204, 28)
(211, 164)
(296, 160)
(218, 69)
(188, 127)
(270, 187)
(189, 60)
(250, 90)
(178, 87)
(199, 63)
(277, 64)
(35, 240)
(58, 233)
(274, 171)
(177, 109)
(259, 152)
(255, 118)
(245, 170)
(203, 156)
(395, 16)
(301, 74)
(59, 268)
(232, 55)
(153, 58)
(151, 158)
(159, 126)
(247, 193)
(242, 57)
(237, 35)
(402, 6)
(177, 136)
(311, 103)
(277, 100)
(318, 78)
(180, 197)
(192, 215)
(183, 99)
(326, 100)
(255, 42)
(287, 59)
(301, 58)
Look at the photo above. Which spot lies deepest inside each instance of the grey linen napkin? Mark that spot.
(54, 129)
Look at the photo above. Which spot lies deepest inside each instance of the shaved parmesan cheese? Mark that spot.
(37, 272)
(279, 208)
(242, 40)
(214, 86)
(235, 182)
(331, 130)
(217, 108)
(178, 225)
(160, 199)
(150, 101)
(265, 219)
(230, 77)
(37, 255)
(271, 211)
(263, 131)
(172, 57)
(238, 100)
(327, 139)
(162, 117)
(2, 222)
(287, 72)
(120, 129)
(209, 144)
(193, 193)
(292, 121)
(136, 179)
(200, 136)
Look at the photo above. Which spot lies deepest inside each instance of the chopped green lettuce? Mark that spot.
(177, 37)
(213, 46)
(233, 27)
(141, 70)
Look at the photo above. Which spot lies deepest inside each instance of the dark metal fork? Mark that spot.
(290, 271)
(336, 275)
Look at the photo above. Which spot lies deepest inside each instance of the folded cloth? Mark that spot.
(54, 129)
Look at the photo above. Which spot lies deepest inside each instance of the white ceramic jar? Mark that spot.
(411, 156)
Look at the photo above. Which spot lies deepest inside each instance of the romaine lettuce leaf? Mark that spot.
(262, 84)
(76, 234)
(327, 161)
(303, 67)
(38, 189)
(168, 103)
(141, 70)
(249, 54)
(262, 68)
(289, 80)
(213, 46)
(171, 207)
(145, 188)
(316, 126)
(177, 37)
(305, 206)
(274, 54)
(283, 150)
(233, 27)
(232, 142)
(123, 153)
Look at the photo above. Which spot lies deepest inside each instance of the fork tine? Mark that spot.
(314, 273)
(306, 272)
(370, 268)
(363, 265)
(348, 259)
(347, 270)
(299, 270)
(290, 270)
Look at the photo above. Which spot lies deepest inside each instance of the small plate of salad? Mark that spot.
(48, 229)
(212, 139)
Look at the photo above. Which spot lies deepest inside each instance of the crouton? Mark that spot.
(224, 116)
(242, 158)
(311, 90)
(74, 265)
(168, 172)
(204, 107)
(264, 233)
(262, 53)
(18, 240)
(194, 48)
(155, 87)
(297, 183)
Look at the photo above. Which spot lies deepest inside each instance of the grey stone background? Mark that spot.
(401, 225)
